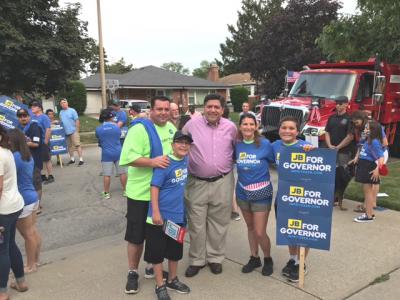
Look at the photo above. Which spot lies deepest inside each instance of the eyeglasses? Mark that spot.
(183, 142)
(22, 116)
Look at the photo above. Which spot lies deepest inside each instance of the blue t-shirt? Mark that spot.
(252, 164)
(120, 116)
(32, 131)
(25, 179)
(108, 135)
(278, 145)
(171, 181)
(68, 117)
(43, 122)
(372, 151)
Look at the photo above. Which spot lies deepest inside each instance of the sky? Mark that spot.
(153, 32)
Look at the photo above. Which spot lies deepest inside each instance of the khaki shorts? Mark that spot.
(107, 167)
(73, 140)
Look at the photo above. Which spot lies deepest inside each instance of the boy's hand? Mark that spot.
(160, 162)
(308, 148)
(157, 219)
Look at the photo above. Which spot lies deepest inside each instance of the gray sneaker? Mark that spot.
(178, 286)
(162, 293)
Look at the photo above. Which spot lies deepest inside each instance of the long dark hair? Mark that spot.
(18, 143)
(375, 131)
(256, 133)
(4, 138)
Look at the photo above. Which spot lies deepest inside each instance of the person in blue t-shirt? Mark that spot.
(369, 158)
(108, 134)
(34, 141)
(70, 120)
(289, 129)
(167, 203)
(26, 223)
(254, 190)
(45, 124)
(120, 118)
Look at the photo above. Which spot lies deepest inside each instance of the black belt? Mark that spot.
(211, 179)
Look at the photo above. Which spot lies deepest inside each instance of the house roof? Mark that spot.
(153, 77)
(237, 79)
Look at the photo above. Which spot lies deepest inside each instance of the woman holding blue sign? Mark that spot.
(254, 190)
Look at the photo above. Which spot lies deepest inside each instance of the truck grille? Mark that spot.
(272, 115)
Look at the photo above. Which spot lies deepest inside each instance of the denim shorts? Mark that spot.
(254, 206)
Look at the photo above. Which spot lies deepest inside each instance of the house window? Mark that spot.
(192, 97)
(160, 92)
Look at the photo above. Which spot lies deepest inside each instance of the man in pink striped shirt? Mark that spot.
(209, 190)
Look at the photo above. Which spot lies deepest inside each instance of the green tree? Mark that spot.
(376, 29)
(119, 67)
(41, 45)
(239, 95)
(175, 67)
(75, 92)
(252, 19)
(202, 71)
(94, 64)
(280, 39)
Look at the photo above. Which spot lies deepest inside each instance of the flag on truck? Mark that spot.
(292, 76)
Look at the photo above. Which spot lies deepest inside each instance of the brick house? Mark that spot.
(146, 82)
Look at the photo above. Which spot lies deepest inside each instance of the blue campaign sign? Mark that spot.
(305, 197)
(58, 144)
(8, 111)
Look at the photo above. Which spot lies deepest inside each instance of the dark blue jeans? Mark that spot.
(10, 256)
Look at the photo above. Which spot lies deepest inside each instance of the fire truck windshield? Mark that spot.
(324, 85)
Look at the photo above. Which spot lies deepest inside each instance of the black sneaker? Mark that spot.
(294, 274)
(81, 162)
(254, 262)
(149, 273)
(50, 179)
(44, 178)
(268, 267)
(162, 293)
(364, 219)
(288, 268)
(71, 162)
(178, 286)
(132, 285)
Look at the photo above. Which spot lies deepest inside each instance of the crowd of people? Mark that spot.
(176, 172)
(25, 154)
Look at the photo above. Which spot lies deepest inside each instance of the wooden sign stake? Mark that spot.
(301, 267)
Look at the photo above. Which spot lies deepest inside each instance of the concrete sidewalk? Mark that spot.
(359, 254)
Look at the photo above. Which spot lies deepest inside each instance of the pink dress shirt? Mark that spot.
(211, 153)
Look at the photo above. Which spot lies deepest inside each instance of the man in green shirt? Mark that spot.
(136, 154)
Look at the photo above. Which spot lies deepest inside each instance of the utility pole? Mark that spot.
(101, 58)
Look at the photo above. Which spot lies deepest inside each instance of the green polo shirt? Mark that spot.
(137, 145)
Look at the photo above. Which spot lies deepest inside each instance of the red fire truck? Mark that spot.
(372, 85)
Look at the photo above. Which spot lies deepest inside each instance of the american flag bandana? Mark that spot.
(258, 191)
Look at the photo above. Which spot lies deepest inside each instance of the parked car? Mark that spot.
(144, 105)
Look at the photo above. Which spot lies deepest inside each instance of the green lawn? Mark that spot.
(389, 185)
(88, 124)
(234, 116)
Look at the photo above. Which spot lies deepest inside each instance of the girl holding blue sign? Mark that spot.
(289, 129)
(254, 190)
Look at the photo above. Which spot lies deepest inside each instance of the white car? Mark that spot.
(144, 105)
